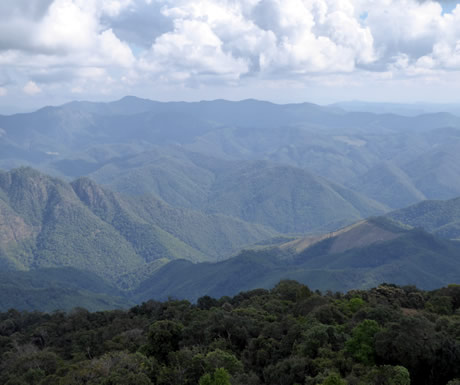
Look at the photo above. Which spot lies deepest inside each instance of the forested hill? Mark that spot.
(362, 255)
(438, 217)
(47, 222)
(289, 335)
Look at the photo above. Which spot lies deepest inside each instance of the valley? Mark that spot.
(202, 192)
(211, 198)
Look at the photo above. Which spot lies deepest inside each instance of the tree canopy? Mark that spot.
(289, 335)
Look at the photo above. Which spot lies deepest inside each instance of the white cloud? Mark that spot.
(66, 37)
(115, 7)
(231, 39)
(31, 88)
(110, 44)
(3, 91)
(194, 47)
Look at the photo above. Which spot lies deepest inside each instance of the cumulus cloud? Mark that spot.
(31, 88)
(286, 39)
(60, 37)
(269, 37)
(105, 44)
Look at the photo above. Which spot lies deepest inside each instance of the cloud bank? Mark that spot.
(106, 46)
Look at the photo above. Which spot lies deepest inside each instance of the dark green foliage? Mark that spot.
(414, 340)
(117, 368)
(219, 377)
(361, 345)
(389, 375)
(291, 291)
(164, 337)
(255, 338)
(221, 359)
(334, 379)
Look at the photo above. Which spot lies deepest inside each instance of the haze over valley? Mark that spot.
(229, 192)
(187, 199)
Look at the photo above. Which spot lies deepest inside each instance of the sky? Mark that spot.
(322, 51)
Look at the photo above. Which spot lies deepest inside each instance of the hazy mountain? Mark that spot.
(285, 198)
(436, 172)
(387, 183)
(438, 217)
(45, 222)
(359, 256)
(348, 148)
(405, 109)
(197, 182)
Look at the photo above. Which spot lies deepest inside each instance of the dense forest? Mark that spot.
(284, 336)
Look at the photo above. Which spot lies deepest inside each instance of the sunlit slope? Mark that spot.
(358, 256)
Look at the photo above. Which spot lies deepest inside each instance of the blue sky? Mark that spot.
(53, 51)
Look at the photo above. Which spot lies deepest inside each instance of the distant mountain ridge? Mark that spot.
(151, 193)
(438, 217)
(419, 153)
(405, 109)
(285, 198)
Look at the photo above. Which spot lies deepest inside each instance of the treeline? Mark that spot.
(289, 335)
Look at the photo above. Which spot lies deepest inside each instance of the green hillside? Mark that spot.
(438, 217)
(59, 230)
(387, 183)
(46, 222)
(286, 198)
(358, 256)
(58, 289)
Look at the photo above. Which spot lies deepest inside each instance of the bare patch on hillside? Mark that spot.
(360, 234)
(301, 244)
(13, 229)
(363, 235)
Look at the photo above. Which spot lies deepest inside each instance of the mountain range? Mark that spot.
(417, 155)
(136, 199)
(65, 244)
(286, 198)
(358, 256)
